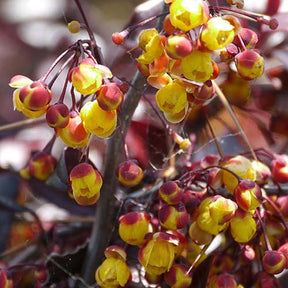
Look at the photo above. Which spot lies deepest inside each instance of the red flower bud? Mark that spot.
(129, 173)
(274, 262)
(170, 192)
(110, 97)
(57, 115)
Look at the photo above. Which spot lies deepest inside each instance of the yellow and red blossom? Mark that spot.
(262, 172)
(97, 121)
(199, 236)
(217, 34)
(86, 182)
(248, 195)
(159, 66)
(159, 81)
(41, 165)
(274, 262)
(177, 277)
(173, 217)
(222, 280)
(242, 226)
(151, 43)
(197, 66)
(133, 227)
(249, 38)
(57, 115)
(113, 272)
(110, 97)
(19, 81)
(186, 15)
(74, 134)
(157, 254)
(242, 167)
(115, 251)
(86, 78)
(129, 173)
(279, 168)
(249, 64)
(170, 192)
(171, 98)
(178, 46)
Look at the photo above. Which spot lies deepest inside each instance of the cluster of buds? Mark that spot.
(181, 61)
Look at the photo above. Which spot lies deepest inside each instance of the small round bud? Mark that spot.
(170, 192)
(177, 277)
(249, 38)
(222, 280)
(250, 64)
(129, 173)
(110, 97)
(74, 27)
(57, 115)
(274, 262)
(178, 46)
(279, 168)
(173, 216)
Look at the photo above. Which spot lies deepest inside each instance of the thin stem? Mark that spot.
(22, 124)
(54, 64)
(96, 49)
(220, 152)
(226, 104)
(267, 242)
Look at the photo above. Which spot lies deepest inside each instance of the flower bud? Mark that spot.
(217, 34)
(186, 15)
(178, 46)
(57, 115)
(250, 64)
(133, 227)
(35, 96)
(279, 168)
(172, 98)
(247, 254)
(262, 172)
(248, 195)
(113, 273)
(274, 262)
(157, 254)
(170, 192)
(86, 78)
(41, 165)
(177, 277)
(284, 249)
(74, 134)
(173, 216)
(205, 92)
(242, 226)
(282, 203)
(97, 121)
(129, 174)
(222, 280)
(249, 38)
(265, 280)
(110, 97)
(86, 183)
(197, 66)
(74, 27)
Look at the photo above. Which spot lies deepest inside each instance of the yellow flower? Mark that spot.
(97, 121)
(242, 226)
(242, 167)
(186, 14)
(112, 273)
(151, 43)
(197, 66)
(177, 277)
(86, 78)
(217, 34)
(133, 227)
(172, 98)
(157, 254)
(86, 183)
(74, 134)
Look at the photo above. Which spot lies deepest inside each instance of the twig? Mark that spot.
(21, 124)
(226, 104)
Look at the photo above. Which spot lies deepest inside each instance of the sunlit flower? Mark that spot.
(157, 254)
(86, 78)
(86, 183)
